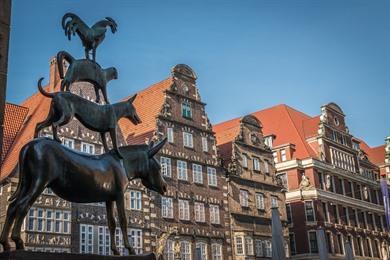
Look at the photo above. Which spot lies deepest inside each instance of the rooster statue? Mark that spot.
(91, 37)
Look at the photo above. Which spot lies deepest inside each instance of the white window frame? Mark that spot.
(104, 247)
(166, 166)
(188, 140)
(68, 142)
(203, 250)
(275, 155)
(182, 170)
(169, 251)
(185, 250)
(239, 245)
(197, 173)
(260, 201)
(249, 246)
(89, 148)
(268, 248)
(166, 207)
(216, 251)
(136, 239)
(88, 233)
(283, 155)
(135, 200)
(199, 212)
(256, 164)
(212, 176)
(184, 210)
(205, 147)
(274, 201)
(214, 214)
(244, 198)
(244, 161)
(170, 135)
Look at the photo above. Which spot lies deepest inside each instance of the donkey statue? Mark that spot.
(91, 37)
(82, 178)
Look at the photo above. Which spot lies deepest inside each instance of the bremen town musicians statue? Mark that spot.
(74, 176)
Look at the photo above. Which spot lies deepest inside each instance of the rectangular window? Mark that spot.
(274, 202)
(266, 166)
(185, 250)
(166, 167)
(57, 221)
(289, 214)
(40, 219)
(135, 200)
(188, 140)
(256, 164)
(260, 201)
(244, 198)
(87, 148)
(268, 248)
(275, 155)
(202, 249)
(49, 220)
(249, 245)
(313, 242)
(212, 176)
(244, 161)
(259, 248)
(184, 210)
(170, 135)
(268, 141)
(283, 155)
(182, 170)
(292, 244)
(66, 222)
(216, 251)
(135, 239)
(239, 245)
(169, 250)
(340, 243)
(214, 214)
(31, 219)
(325, 211)
(197, 173)
(205, 146)
(86, 239)
(199, 212)
(103, 241)
(186, 111)
(309, 211)
(68, 142)
(167, 207)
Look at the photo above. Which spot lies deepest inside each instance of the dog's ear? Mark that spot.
(131, 100)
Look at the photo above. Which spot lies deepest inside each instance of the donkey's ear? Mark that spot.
(131, 100)
(152, 151)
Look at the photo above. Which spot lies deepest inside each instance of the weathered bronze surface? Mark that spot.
(85, 70)
(99, 118)
(91, 37)
(81, 178)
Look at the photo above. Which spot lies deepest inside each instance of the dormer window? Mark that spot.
(186, 111)
(356, 145)
(268, 141)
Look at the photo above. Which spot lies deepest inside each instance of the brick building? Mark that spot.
(196, 201)
(252, 187)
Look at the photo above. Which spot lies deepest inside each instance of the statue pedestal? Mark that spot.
(24, 255)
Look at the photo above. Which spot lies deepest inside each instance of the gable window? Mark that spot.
(135, 200)
(268, 141)
(260, 201)
(87, 148)
(256, 164)
(166, 167)
(283, 155)
(197, 173)
(216, 251)
(309, 211)
(186, 111)
(244, 198)
(199, 212)
(166, 207)
(170, 135)
(239, 245)
(214, 214)
(244, 161)
(68, 143)
(205, 147)
(212, 176)
(187, 140)
(184, 210)
(182, 170)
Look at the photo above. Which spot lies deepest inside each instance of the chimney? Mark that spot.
(54, 76)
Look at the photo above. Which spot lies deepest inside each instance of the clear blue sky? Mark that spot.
(248, 55)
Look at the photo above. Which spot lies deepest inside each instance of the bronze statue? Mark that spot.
(81, 178)
(99, 118)
(91, 37)
(85, 70)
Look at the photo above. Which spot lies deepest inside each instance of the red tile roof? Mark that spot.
(376, 154)
(148, 105)
(286, 123)
(14, 117)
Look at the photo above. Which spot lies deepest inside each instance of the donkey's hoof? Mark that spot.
(131, 251)
(6, 246)
(115, 251)
(19, 244)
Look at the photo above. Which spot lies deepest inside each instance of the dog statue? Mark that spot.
(85, 70)
(99, 118)
(91, 37)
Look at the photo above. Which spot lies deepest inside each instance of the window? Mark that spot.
(199, 212)
(260, 201)
(256, 164)
(274, 202)
(289, 214)
(283, 155)
(31, 219)
(214, 214)
(186, 110)
(275, 155)
(216, 251)
(135, 200)
(166, 167)
(135, 240)
(104, 247)
(87, 148)
(167, 207)
(57, 222)
(187, 140)
(205, 147)
(185, 250)
(266, 166)
(268, 248)
(170, 135)
(48, 191)
(182, 170)
(184, 210)
(325, 211)
(239, 246)
(39, 219)
(313, 242)
(268, 141)
(86, 238)
(212, 176)
(340, 243)
(244, 198)
(292, 244)
(202, 248)
(68, 142)
(309, 211)
(244, 161)
(66, 223)
(249, 246)
(169, 250)
(49, 220)
(258, 248)
(197, 173)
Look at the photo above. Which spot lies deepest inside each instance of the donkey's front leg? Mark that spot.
(120, 206)
(111, 225)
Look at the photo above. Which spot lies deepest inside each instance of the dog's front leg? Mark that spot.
(104, 141)
(115, 142)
